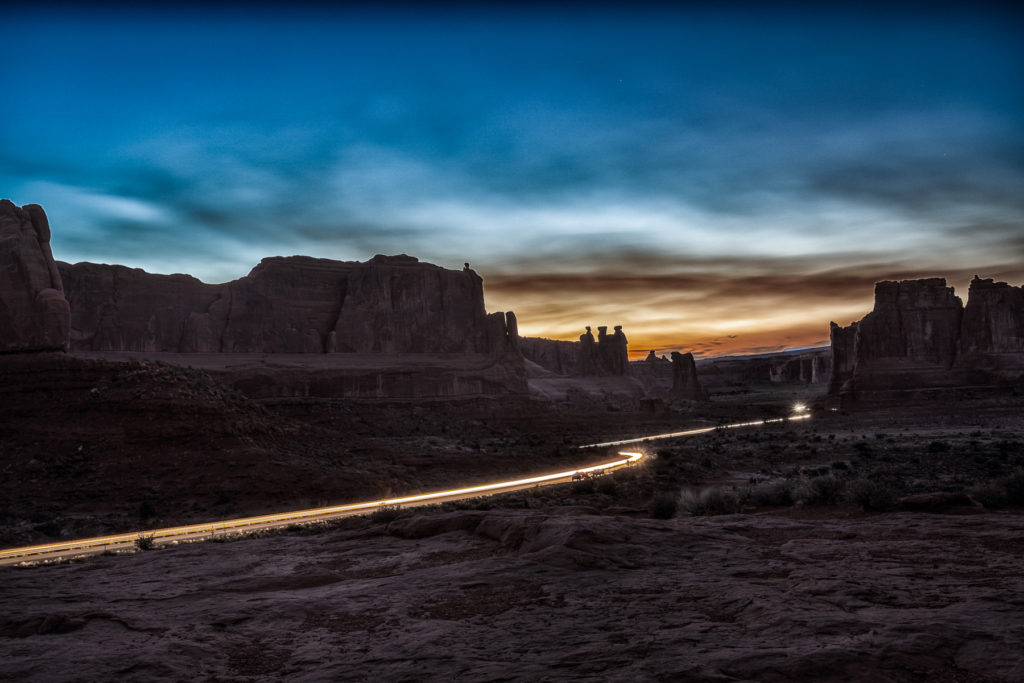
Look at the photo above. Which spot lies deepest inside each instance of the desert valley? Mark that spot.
(879, 539)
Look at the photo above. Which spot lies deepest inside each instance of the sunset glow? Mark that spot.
(717, 179)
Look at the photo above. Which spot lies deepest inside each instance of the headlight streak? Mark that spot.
(182, 533)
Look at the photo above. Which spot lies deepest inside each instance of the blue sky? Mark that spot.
(714, 178)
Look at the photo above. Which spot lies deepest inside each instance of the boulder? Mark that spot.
(34, 314)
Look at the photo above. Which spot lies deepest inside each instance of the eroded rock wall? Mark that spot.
(920, 339)
(34, 314)
(297, 304)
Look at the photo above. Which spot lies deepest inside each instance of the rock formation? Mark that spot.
(555, 355)
(298, 304)
(920, 338)
(842, 339)
(685, 384)
(34, 314)
(808, 367)
(606, 356)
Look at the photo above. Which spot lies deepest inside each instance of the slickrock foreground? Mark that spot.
(541, 595)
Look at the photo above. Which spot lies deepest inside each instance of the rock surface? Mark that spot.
(536, 595)
(919, 339)
(298, 304)
(34, 314)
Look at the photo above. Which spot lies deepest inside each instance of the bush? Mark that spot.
(605, 485)
(938, 447)
(823, 490)
(1014, 485)
(991, 495)
(385, 514)
(870, 495)
(716, 500)
(145, 542)
(663, 506)
(774, 493)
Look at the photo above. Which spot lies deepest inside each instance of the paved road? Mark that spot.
(196, 532)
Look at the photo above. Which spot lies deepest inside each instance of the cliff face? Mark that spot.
(34, 314)
(919, 337)
(296, 304)
(555, 355)
(605, 356)
(685, 384)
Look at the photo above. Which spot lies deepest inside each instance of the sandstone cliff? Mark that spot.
(919, 339)
(685, 384)
(605, 356)
(34, 314)
(298, 304)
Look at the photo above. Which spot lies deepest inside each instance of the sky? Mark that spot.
(717, 178)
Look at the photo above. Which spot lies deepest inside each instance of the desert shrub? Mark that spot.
(145, 541)
(822, 490)
(583, 486)
(870, 495)
(385, 514)
(717, 500)
(1014, 485)
(990, 494)
(663, 506)
(605, 485)
(625, 475)
(773, 493)
(938, 447)
(863, 447)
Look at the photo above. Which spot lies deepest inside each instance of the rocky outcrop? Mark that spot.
(605, 356)
(919, 338)
(842, 339)
(556, 355)
(991, 347)
(685, 384)
(34, 314)
(809, 367)
(298, 304)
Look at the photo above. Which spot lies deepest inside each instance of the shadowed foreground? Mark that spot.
(543, 595)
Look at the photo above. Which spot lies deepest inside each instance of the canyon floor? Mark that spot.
(883, 545)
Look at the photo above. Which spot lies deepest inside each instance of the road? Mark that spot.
(64, 550)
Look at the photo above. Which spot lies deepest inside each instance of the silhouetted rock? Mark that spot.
(556, 355)
(34, 314)
(919, 339)
(606, 356)
(298, 304)
(809, 367)
(843, 355)
(992, 337)
(685, 384)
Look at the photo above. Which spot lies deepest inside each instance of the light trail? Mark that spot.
(193, 532)
(701, 430)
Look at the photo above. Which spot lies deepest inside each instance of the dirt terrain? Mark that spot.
(877, 545)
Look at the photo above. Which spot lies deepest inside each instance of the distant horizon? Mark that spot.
(720, 178)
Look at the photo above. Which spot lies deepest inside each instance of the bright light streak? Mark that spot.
(355, 508)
